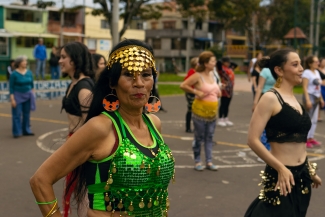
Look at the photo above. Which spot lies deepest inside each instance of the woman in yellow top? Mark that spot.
(204, 107)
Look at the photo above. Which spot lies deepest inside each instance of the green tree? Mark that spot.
(235, 14)
(129, 9)
(282, 15)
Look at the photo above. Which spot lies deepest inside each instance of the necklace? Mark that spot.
(152, 152)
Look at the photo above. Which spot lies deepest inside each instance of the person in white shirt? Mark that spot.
(258, 56)
(311, 83)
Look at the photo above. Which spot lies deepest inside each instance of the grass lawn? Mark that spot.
(3, 77)
(166, 89)
(298, 89)
(170, 77)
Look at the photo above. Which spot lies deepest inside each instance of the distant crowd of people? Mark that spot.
(42, 59)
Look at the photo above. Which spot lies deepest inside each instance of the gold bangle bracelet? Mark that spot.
(53, 212)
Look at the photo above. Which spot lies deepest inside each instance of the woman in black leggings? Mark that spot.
(227, 78)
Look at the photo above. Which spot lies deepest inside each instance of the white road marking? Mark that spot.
(241, 157)
(39, 141)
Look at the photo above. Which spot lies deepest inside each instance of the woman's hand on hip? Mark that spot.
(285, 181)
(200, 94)
(309, 105)
(317, 181)
(13, 103)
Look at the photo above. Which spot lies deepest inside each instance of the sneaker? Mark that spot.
(228, 123)
(198, 167)
(212, 167)
(314, 142)
(309, 144)
(221, 122)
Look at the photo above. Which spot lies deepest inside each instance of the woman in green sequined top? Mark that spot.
(119, 157)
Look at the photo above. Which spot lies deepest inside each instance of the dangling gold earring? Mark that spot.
(154, 105)
(278, 82)
(111, 102)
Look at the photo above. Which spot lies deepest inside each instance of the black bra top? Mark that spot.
(288, 125)
(71, 102)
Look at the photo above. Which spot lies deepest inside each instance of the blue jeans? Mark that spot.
(55, 72)
(21, 119)
(203, 133)
(40, 68)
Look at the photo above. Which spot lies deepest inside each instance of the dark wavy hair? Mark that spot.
(81, 58)
(309, 60)
(277, 58)
(108, 77)
(96, 58)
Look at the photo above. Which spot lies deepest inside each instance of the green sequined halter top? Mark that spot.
(132, 181)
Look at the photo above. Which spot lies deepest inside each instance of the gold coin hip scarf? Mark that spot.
(302, 187)
(136, 184)
(133, 58)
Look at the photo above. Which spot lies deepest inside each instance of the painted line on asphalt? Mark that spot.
(37, 119)
(40, 144)
(221, 166)
(164, 135)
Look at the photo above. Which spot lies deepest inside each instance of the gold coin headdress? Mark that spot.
(133, 58)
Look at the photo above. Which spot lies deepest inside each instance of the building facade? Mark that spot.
(98, 36)
(176, 40)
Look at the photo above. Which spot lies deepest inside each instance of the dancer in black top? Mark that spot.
(288, 176)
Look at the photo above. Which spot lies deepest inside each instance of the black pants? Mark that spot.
(189, 98)
(270, 203)
(224, 107)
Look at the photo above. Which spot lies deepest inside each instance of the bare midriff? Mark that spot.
(290, 154)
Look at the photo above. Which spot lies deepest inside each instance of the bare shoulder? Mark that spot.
(268, 97)
(99, 126)
(268, 104)
(156, 121)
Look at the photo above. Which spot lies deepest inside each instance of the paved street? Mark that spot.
(226, 193)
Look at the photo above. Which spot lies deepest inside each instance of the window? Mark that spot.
(54, 15)
(198, 25)
(185, 24)
(24, 15)
(67, 39)
(70, 19)
(154, 25)
(156, 43)
(199, 45)
(104, 24)
(3, 46)
(32, 41)
(169, 24)
(238, 42)
(92, 44)
(139, 25)
(178, 44)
